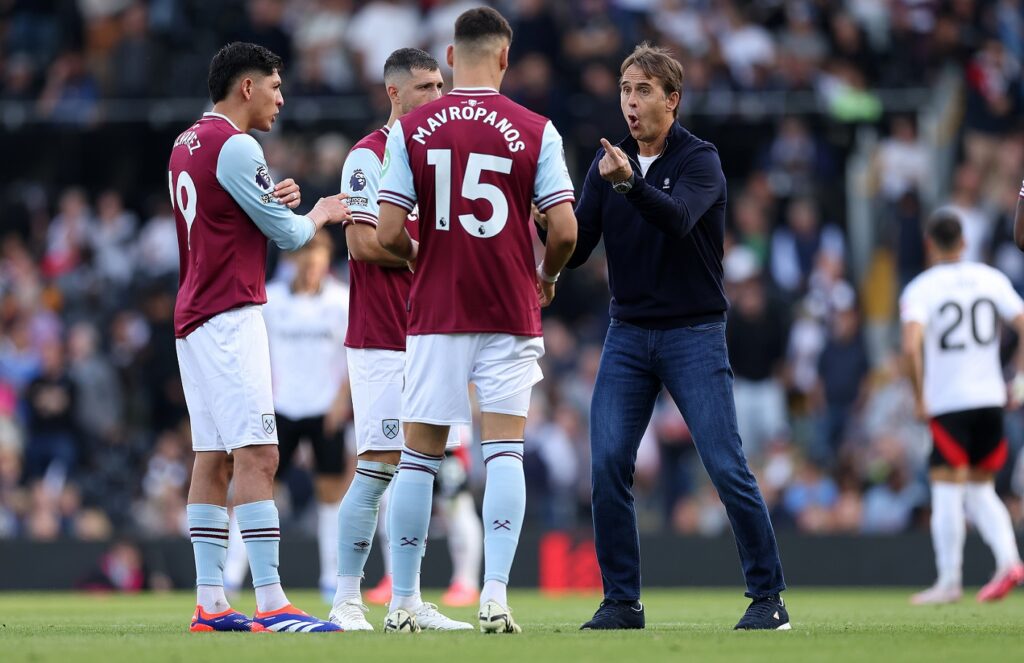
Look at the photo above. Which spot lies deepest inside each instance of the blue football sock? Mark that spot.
(357, 517)
(409, 518)
(208, 529)
(504, 506)
(261, 531)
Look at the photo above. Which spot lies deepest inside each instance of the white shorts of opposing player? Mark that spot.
(439, 368)
(225, 374)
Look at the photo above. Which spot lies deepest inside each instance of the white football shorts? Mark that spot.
(225, 373)
(376, 377)
(439, 368)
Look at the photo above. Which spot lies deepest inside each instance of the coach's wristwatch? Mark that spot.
(625, 186)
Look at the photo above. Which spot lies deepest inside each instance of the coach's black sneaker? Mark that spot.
(767, 614)
(615, 615)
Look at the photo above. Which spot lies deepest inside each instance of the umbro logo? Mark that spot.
(410, 542)
(362, 545)
(503, 524)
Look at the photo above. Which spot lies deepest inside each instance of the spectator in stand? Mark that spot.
(795, 162)
(71, 95)
(68, 233)
(756, 335)
(976, 220)
(53, 442)
(993, 97)
(112, 239)
(320, 38)
(795, 246)
(99, 408)
(842, 369)
(748, 49)
(901, 162)
(156, 251)
(379, 29)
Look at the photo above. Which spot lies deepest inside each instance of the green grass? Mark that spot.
(682, 625)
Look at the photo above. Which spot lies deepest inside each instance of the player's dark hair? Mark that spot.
(657, 63)
(404, 60)
(235, 60)
(944, 228)
(475, 25)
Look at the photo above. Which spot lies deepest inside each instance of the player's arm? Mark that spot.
(360, 179)
(1018, 221)
(340, 410)
(588, 219)
(242, 171)
(553, 197)
(913, 352)
(397, 197)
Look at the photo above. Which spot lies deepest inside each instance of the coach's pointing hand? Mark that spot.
(614, 165)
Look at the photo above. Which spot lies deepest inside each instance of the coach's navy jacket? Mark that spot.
(663, 238)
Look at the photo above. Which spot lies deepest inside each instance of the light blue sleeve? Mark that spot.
(552, 184)
(360, 179)
(242, 171)
(396, 185)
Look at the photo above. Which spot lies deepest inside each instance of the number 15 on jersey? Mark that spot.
(472, 189)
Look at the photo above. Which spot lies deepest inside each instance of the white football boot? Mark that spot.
(430, 618)
(495, 618)
(351, 616)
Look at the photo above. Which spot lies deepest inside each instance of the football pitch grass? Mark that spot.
(682, 625)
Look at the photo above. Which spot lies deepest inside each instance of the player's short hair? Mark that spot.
(658, 63)
(944, 228)
(404, 60)
(475, 26)
(235, 60)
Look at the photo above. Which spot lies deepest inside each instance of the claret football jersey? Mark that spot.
(474, 161)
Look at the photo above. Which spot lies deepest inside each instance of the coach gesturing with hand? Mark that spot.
(658, 198)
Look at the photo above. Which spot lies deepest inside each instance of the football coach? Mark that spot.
(658, 199)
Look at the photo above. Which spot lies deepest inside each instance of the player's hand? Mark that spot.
(1016, 391)
(539, 217)
(545, 292)
(411, 262)
(287, 193)
(336, 418)
(920, 411)
(333, 208)
(614, 165)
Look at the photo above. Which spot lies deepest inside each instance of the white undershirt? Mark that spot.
(645, 163)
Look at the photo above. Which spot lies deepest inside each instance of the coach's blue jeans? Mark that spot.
(693, 364)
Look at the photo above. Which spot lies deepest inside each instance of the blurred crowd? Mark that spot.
(94, 439)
